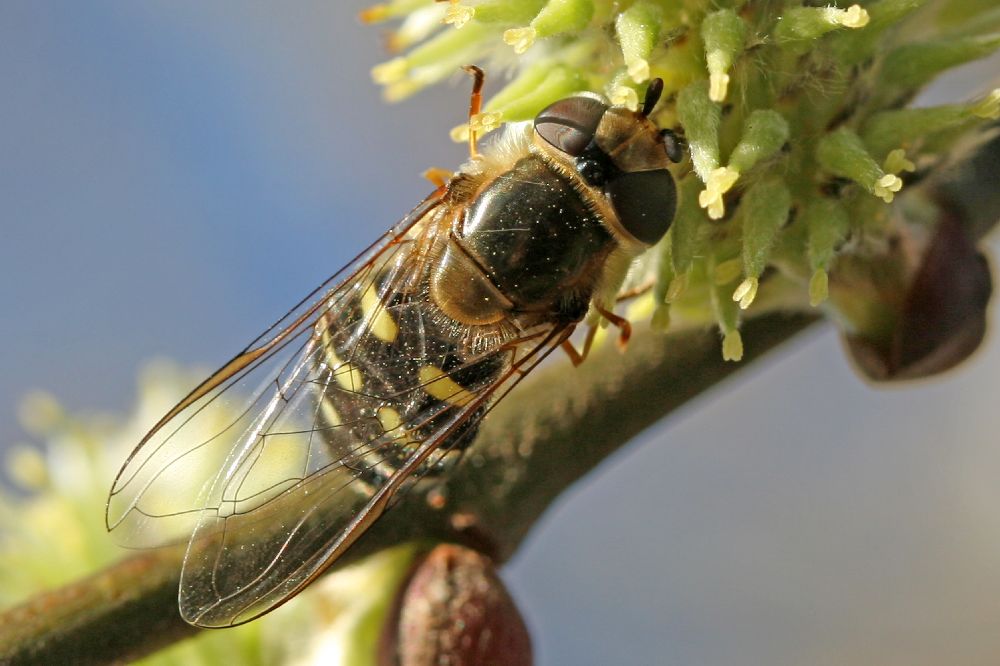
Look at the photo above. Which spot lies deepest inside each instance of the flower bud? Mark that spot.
(764, 133)
(912, 65)
(805, 24)
(763, 212)
(559, 16)
(455, 610)
(537, 87)
(700, 116)
(827, 224)
(513, 12)
(901, 127)
(724, 34)
(851, 47)
(556, 17)
(638, 29)
(727, 316)
(430, 62)
(843, 154)
(685, 235)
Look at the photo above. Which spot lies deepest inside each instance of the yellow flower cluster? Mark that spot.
(794, 116)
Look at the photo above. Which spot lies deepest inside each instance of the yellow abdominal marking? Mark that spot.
(439, 385)
(391, 422)
(381, 322)
(330, 413)
(348, 376)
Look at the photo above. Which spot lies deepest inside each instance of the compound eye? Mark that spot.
(645, 202)
(569, 124)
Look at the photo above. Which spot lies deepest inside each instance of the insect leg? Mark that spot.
(622, 324)
(575, 357)
(634, 292)
(578, 357)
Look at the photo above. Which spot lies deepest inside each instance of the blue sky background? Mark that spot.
(175, 174)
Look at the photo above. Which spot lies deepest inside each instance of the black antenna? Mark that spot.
(653, 93)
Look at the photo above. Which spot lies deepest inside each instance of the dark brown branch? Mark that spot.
(118, 614)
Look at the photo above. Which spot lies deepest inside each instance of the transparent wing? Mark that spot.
(242, 563)
(159, 492)
(281, 459)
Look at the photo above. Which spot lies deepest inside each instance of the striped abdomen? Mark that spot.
(386, 391)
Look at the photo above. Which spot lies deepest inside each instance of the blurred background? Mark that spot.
(175, 174)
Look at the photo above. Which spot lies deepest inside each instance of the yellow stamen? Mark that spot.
(625, 96)
(458, 15)
(746, 292)
(887, 186)
(520, 38)
(732, 346)
(638, 69)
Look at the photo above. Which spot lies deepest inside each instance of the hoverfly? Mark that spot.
(382, 375)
